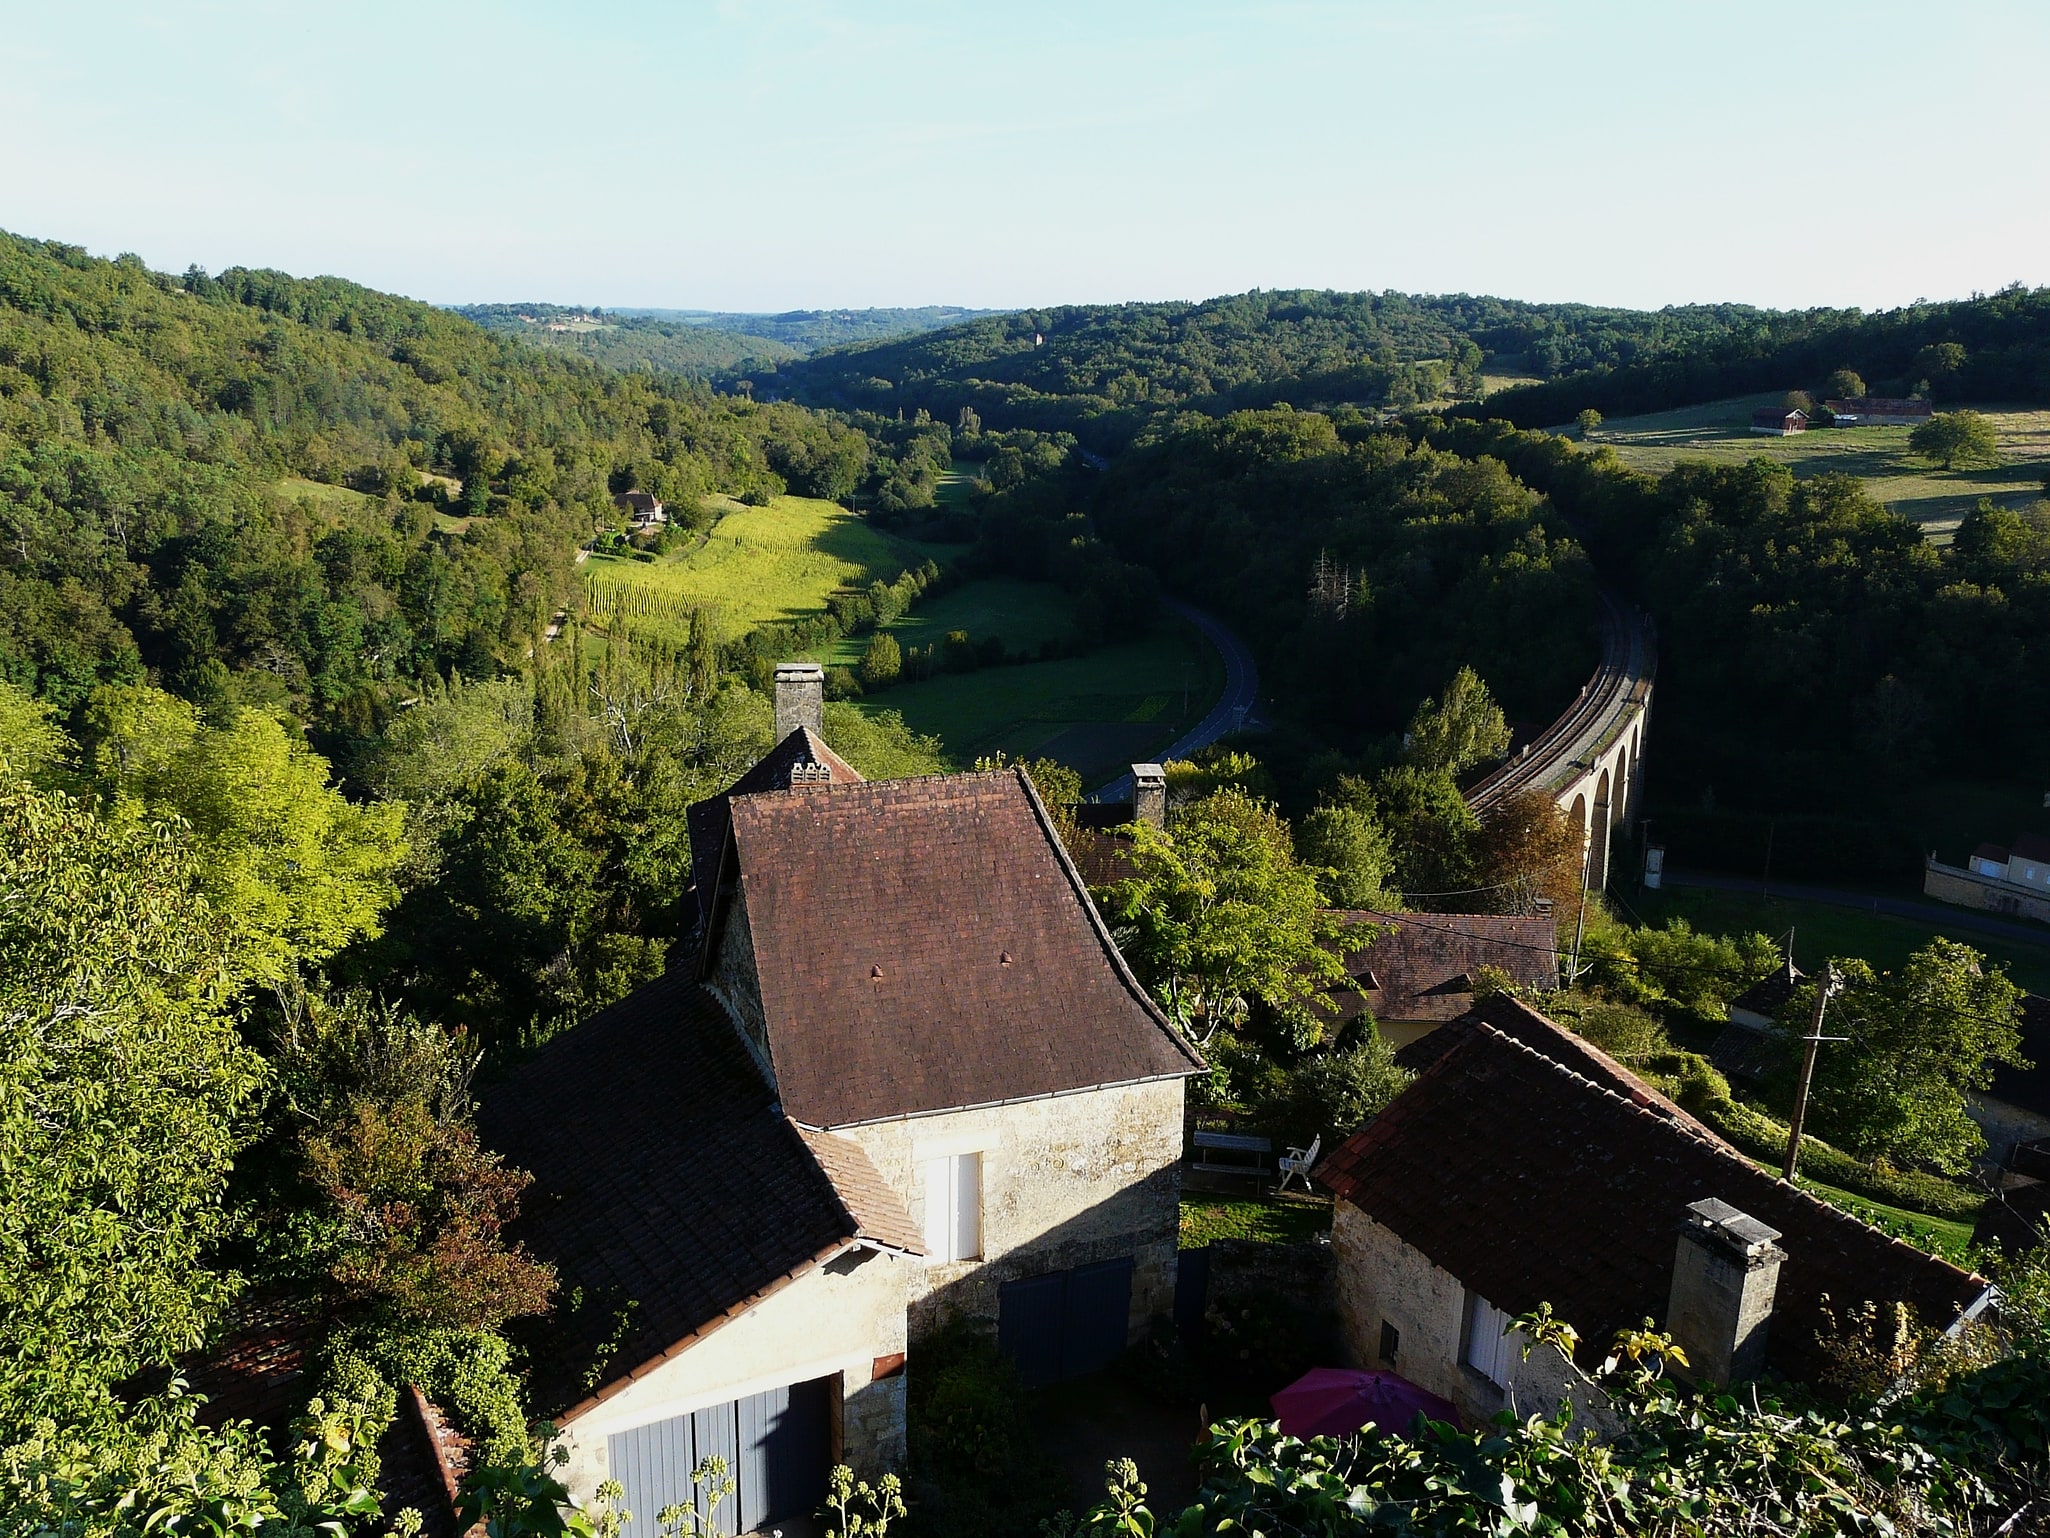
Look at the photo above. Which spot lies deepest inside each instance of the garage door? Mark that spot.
(776, 1446)
(1065, 1324)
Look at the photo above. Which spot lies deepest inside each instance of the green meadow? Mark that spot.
(1912, 486)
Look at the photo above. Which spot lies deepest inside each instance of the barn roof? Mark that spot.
(1533, 1183)
(1421, 966)
(926, 944)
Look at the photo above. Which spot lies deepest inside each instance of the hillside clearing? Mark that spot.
(1024, 614)
(1719, 432)
(757, 566)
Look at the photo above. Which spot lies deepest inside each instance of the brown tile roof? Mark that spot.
(1879, 406)
(1992, 852)
(1531, 1183)
(1769, 995)
(1421, 965)
(2031, 846)
(665, 1176)
(1776, 416)
(802, 750)
(924, 944)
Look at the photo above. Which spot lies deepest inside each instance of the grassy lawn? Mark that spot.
(1206, 1215)
(958, 484)
(1822, 931)
(1023, 613)
(1949, 1237)
(1098, 713)
(332, 500)
(1935, 498)
(759, 565)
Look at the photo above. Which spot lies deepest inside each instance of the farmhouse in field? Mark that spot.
(904, 1076)
(2012, 880)
(1879, 411)
(1780, 421)
(1420, 969)
(643, 509)
(1525, 1167)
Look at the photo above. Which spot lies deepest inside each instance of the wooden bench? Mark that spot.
(1215, 1153)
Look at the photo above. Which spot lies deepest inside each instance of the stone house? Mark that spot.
(1779, 422)
(1523, 1166)
(1419, 970)
(904, 1077)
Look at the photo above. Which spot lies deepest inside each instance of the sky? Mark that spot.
(782, 154)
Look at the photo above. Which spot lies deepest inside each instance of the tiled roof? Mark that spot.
(665, 1176)
(1993, 852)
(1769, 995)
(1774, 416)
(2031, 846)
(1879, 406)
(1534, 1184)
(1423, 962)
(803, 750)
(924, 944)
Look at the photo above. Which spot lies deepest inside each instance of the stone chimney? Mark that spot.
(1725, 1273)
(800, 697)
(1149, 794)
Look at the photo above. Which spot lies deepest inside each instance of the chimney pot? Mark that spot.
(1149, 795)
(800, 697)
(1725, 1274)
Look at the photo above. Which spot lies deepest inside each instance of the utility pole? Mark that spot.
(1580, 924)
(1826, 987)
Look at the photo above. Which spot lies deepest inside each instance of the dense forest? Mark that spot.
(618, 340)
(809, 331)
(1102, 371)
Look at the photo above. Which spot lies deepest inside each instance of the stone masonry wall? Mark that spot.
(1948, 883)
(734, 983)
(1066, 1180)
(836, 1320)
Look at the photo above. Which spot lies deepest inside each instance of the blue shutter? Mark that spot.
(1098, 1312)
(1029, 1326)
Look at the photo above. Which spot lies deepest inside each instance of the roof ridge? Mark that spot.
(1097, 926)
(811, 1157)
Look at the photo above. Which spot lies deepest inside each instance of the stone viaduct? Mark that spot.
(1591, 760)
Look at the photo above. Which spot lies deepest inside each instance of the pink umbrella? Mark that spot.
(1336, 1401)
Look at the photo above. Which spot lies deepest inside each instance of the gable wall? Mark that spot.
(1066, 1180)
(835, 1319)
(734, 981)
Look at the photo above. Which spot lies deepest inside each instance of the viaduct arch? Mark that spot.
(1591, 760)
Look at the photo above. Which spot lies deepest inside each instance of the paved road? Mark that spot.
(1896, 907)
(1241, 689)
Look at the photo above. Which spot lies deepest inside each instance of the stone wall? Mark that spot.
(734, 982)
(1949, 883)
(841, 1320)
(1381, 1279)
(2004, 1125)
(1066, 1180)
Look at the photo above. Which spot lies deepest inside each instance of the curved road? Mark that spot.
(1241, 688)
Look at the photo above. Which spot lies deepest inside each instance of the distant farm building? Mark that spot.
(2014, 880)
(1779, 421)
(1879, 411)
(642, 508)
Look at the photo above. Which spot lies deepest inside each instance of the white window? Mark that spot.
(1491, 1346)
(953, 1207)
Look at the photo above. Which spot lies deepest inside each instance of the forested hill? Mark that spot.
(1100, 371)
(623, 341)
(1992, 347)
(306, 495)
(807, 331)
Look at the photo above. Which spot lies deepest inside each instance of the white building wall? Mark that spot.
(1066, 1180)
(835, 1320)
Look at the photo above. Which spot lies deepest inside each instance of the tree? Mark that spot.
(1956, 438)
(123, 1089)
(1434, 835)
(1919, 1038)
(1333, 1093)
(1348, 843)
(1844, 384)
(1587, 420)
(1217, 916)
(1461, 728)
(881, 661)
(290, 865)
(1529, 850)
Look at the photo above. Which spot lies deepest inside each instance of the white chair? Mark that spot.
(1299, 1161)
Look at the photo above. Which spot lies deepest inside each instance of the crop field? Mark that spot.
(1097, 713)
(1915, 487)
(1023, 613)
(758, 565)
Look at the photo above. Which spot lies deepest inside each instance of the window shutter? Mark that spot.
(939, 1215)
(967, 1206)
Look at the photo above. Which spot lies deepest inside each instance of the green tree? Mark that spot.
(1348, 843)
(1434, 836)
(294, 869)
(1844, 384)
(1956, 438)
(1333, 1093)
(1587, 420)
(881, 661)
(123, 1088)
(1217, 916)
(1461, 728)
(1919, 1039)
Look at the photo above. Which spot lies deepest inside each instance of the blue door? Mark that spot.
(776, 1447)
(1065, 1324)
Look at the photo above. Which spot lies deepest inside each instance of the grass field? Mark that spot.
(1281, 1220)
(1935, 498)
(329, 499)
(1822, 931)
(958, 484)
(759, 565)
(1098, 713)
(1023, 613)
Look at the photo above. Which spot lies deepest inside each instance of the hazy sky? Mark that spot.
(772, 155)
